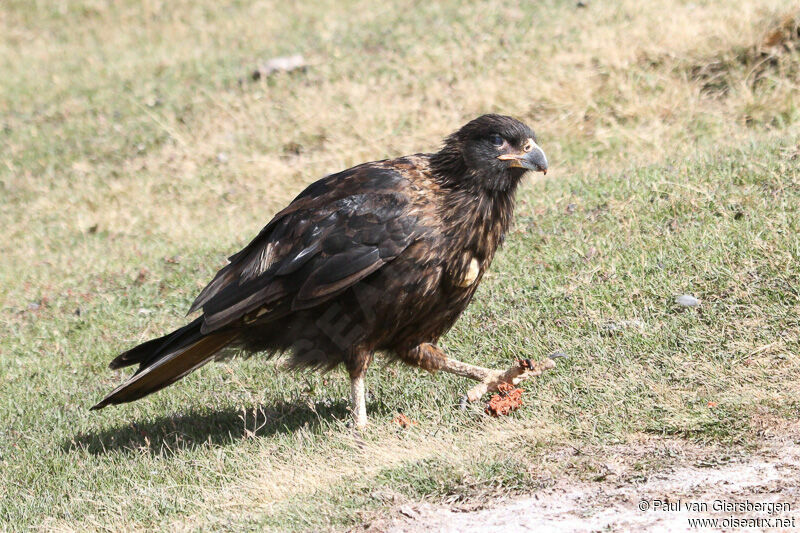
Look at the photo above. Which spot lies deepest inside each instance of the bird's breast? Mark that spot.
(470, 275)
(464, 270)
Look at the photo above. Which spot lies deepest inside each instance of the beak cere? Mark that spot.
(532, 158)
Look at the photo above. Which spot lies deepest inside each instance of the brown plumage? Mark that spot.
(380, 257)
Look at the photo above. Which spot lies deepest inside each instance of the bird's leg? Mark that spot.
(515, 375)
(357, 367)
(432, 358)
(358, 400)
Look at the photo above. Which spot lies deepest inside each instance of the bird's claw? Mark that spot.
(522, 370)
(463, 402)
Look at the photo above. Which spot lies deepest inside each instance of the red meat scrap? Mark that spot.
(508, 399)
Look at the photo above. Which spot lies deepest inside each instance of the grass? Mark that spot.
(673, 136)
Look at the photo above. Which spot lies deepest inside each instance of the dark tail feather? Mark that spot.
(149, 351)
(165, 360)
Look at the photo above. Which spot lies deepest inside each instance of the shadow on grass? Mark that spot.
(168, 434)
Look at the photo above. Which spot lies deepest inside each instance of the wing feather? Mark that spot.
(337, 232)
(339, 272)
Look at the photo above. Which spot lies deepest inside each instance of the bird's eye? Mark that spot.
(496, 140)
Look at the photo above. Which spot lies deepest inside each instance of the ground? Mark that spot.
(137, 152)
(620, 498)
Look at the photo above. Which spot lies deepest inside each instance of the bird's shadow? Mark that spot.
(166, 435)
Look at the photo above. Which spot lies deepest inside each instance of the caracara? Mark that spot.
(382, 257)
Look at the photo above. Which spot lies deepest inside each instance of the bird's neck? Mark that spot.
(476, 217)
(477, 220)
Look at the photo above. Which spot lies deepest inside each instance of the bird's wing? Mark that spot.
(338, 231)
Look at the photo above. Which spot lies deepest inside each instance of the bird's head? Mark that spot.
(492, 152)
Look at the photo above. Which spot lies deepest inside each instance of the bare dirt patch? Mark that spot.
(631, 490)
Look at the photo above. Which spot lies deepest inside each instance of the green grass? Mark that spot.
(116, 210)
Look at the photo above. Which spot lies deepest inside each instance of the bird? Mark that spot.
(379, 258)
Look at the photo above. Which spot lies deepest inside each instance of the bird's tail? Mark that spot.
(165, 360)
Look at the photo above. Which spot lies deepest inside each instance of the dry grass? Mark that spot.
(594, 87)
(135, 152)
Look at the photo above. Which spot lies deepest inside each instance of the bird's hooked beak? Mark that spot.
(531, 158)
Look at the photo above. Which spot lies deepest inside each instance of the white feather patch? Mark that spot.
(472, 273)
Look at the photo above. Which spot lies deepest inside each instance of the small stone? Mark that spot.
(687, 300)
(408, 511)
(279, 64)
(222, 157)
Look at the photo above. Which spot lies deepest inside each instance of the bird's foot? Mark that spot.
(522, 370)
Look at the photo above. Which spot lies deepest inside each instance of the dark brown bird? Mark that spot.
(380, 257)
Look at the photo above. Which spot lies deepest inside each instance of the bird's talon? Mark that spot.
(463, 402)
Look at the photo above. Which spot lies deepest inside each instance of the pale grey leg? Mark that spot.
(358, 401)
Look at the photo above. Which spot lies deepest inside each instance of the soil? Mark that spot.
(625, 496)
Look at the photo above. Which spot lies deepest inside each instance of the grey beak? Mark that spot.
(535, 160)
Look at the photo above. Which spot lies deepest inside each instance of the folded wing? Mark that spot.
(338, 231)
